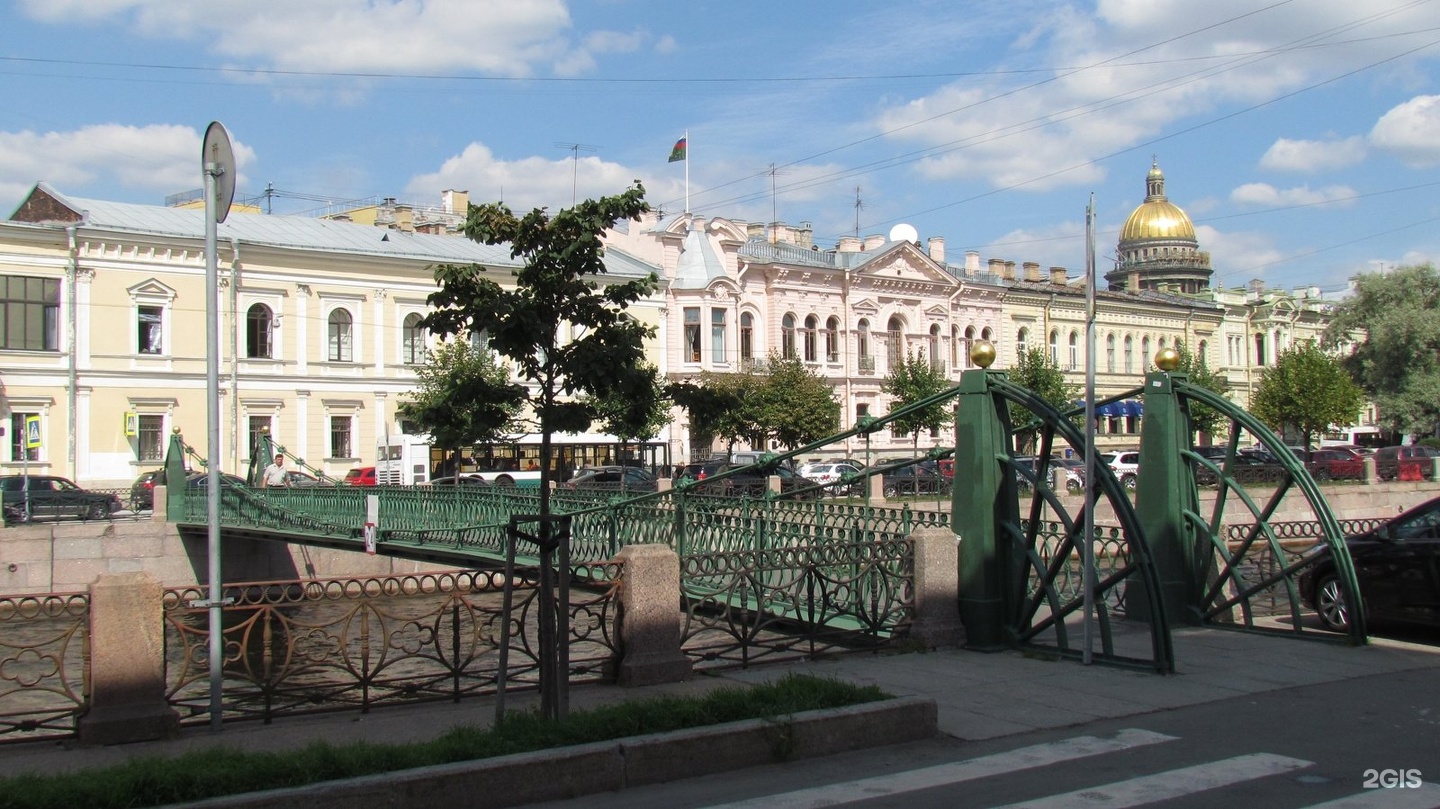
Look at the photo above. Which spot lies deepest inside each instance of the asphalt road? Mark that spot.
(1310, 746)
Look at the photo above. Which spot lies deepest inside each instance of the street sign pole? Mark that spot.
(217, 163)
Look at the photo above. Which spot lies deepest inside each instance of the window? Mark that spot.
(717, 335)
(1110, 353)
(787, 337)
(1074, 350)
(1055, 347)
(259, 427)
(1022, 342)
(29, 313)
(747, 337)
(1144, 353)
(692, 334)
(862, 411)
(340, 437)
(832, 340)
(1259, 349)
(862, 342)
(341, 337)
(968, 345)
(412, 341)
(812, 325)
(259, 332)
(17, 438)
(1129, 354)
(150, 445)
(149, 340)
(935, 358)
(894, 346)
(480, 340)
(957, 361)
(1200, 354)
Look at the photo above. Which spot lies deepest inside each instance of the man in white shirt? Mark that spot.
(274, 474)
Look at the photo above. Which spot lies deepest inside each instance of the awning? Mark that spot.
(1130, 407)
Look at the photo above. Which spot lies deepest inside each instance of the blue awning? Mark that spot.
(1109, 410)
(1130, 407)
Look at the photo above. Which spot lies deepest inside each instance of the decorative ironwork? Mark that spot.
(44, 657)
(301, 647)
(776, 604)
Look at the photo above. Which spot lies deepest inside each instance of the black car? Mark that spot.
(915, 478)
(51, 496)
(751, 481)
(617, 478)
(1397, 565)
(142, 491)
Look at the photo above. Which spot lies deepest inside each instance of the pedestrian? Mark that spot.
(275, 474)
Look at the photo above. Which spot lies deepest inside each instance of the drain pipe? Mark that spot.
(72, 335)
(234, 356)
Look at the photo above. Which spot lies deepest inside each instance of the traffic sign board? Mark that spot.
(32, 432)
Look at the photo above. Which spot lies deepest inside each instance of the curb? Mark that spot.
(611, 766)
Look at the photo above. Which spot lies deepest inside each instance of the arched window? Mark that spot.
(1074, 349)
(412, 340)
(812, 327)
(259, 332)
(341, 337)
(1145, 354)
(1055, 347)
(1200, 355)
(832, 339)
(862, 345)
(969, 343)
(1110, 353)
(747, 337)
(1022, 343)
(1129, 354)
(787, 336)
(935, 358)
(895, 348)
(956, 360)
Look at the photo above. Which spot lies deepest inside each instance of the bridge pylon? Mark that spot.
(1163, 495)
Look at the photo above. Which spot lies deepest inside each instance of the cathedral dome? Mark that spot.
(1157, 217)
(1158, 249)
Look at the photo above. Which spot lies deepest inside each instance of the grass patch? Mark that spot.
(155, 781)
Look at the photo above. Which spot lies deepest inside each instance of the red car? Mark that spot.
(361, 476)
(1333, 463)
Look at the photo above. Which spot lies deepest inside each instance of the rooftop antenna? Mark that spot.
(774, 216)
(858, 206)
(575, 150)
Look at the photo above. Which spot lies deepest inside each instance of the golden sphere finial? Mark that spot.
(982, 353)
(1168, 359)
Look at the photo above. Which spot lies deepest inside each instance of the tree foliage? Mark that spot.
(1306, 391)
(800, 406)
(1038, 372)
(914, 380)
(554, 293)
(635, 413)
(464, 397)
(1391, 326)
(1203, 418)
(787, 403)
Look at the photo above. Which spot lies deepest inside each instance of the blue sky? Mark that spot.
(1302, 136)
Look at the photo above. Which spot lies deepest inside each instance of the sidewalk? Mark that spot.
(978, 696)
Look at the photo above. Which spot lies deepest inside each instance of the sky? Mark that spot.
(1301, 136)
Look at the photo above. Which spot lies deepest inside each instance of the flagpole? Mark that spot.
(687, 171)
(1087, 553)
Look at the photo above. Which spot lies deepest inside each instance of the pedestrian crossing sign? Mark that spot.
(32, 432)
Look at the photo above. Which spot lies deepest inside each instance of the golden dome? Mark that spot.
(1157, 217)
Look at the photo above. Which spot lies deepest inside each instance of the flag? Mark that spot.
(678, 153)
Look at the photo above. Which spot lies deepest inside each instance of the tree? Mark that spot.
(914, 380)
(1306, 390)
(1038, 372)
(638, 414)
(1203, 418)
(458, 372)
(554, 294)
(1395, 316)
(798, 407)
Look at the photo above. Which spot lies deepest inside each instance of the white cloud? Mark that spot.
(1268, 196)
(163, 158)
(534, 182)
(1238, 257)
(1411, 132)
(495, 37)
(1313, 155)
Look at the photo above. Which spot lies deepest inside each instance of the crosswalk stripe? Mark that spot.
(1170, 784)
(1427, 796)
(1024, 758)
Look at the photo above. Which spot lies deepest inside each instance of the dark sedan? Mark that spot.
(1397, 565)
(31, 496)
(616, 478)
(917, 478)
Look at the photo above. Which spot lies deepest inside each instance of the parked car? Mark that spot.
(617, 478)
(1074, 471)
(303, 480)
(1334, 463)
(142, 491)
(1408, 462)
(361, 476)
(1125, 464)
(461, 480)
(751, 482)
(828, 474)
(51, 496)
(918, 478)
(1397, 565)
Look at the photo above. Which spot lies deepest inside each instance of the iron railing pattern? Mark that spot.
(315, 646)
(44, 657)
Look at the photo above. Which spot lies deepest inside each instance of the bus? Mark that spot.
(1364, 437)
(410, 460)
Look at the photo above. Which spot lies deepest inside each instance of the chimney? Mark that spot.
(873, 241)
(455, 201)
(1032, 271)
(937, 249)
(848, 244)
(1057, 275)
(404, 218)
(972, 262)
(997, 268)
